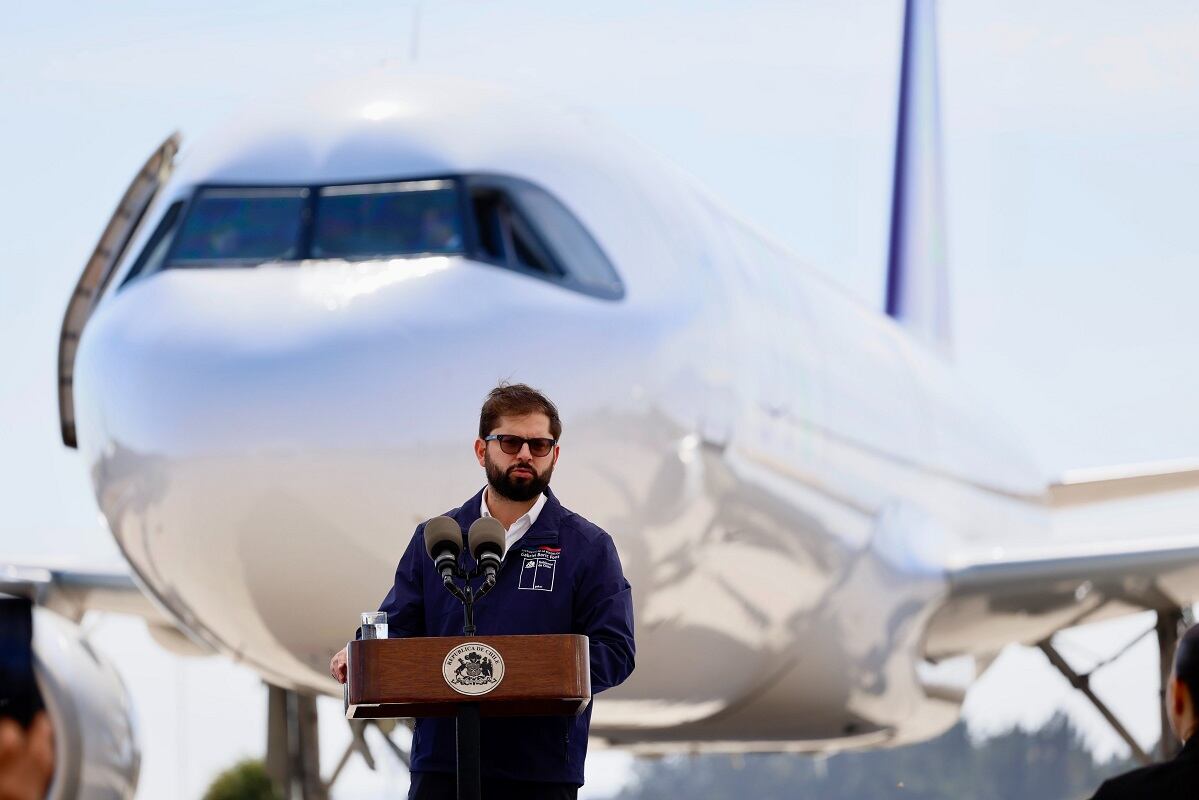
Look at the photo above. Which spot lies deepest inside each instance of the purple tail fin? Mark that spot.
(917, 272)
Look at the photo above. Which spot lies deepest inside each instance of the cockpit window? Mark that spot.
(507, 222)
(155, 251)
(582, 257)
(522, 226)
(240, 226)
(505, 237)
(387, 219)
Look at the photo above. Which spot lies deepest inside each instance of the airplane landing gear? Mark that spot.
(1168, 627)
(293, 751)
(293, 754)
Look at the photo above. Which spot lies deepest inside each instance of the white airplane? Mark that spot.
(274, 360)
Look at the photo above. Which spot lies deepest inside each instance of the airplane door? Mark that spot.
(99, 270)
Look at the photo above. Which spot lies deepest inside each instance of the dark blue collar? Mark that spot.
(544, 530)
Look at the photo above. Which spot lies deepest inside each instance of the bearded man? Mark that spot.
(560, 574)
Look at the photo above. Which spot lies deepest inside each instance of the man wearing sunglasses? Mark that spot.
(560, 574)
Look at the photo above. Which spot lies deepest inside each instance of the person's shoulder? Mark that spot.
(469, 508)
(1119, 786)
(1155, 780)
(573, 524)
(455, 514)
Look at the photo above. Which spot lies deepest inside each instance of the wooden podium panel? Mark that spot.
(542, 676)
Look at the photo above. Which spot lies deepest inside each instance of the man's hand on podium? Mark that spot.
(337, 666)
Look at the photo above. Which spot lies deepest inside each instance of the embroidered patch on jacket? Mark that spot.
(538, 567)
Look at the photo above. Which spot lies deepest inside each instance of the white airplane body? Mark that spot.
(811, 509)
(263, 440)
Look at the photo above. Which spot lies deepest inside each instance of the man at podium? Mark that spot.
(560, 574)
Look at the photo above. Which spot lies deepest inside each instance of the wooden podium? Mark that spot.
(468, 677)
(543, 675)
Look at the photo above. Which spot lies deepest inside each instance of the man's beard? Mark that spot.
(516, 489)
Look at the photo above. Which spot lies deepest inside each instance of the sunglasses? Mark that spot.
(512, 444)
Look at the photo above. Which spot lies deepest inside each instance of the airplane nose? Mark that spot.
(257, 433)
(193, 361)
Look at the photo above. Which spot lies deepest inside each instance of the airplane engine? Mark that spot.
(96, 755)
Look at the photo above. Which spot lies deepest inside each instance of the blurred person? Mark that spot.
(26, 758)
(26, 736)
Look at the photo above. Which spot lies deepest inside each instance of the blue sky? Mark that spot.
(1069, 130)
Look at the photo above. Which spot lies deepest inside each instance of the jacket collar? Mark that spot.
(543, 531)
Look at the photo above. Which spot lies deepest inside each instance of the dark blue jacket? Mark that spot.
(1177, 778)
(562, 576)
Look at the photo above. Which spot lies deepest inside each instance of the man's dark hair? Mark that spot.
(516, 400)
(1186, 661)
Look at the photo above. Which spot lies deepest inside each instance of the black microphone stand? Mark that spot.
(470, 775)
(467, 594)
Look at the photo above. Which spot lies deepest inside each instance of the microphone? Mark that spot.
(487, 537)
(443, 543)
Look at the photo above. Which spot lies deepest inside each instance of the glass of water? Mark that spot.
(374, 624)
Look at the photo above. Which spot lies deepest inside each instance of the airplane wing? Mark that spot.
(1083, 487)
(1123, 540)
(97, 751)
(71, 592)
